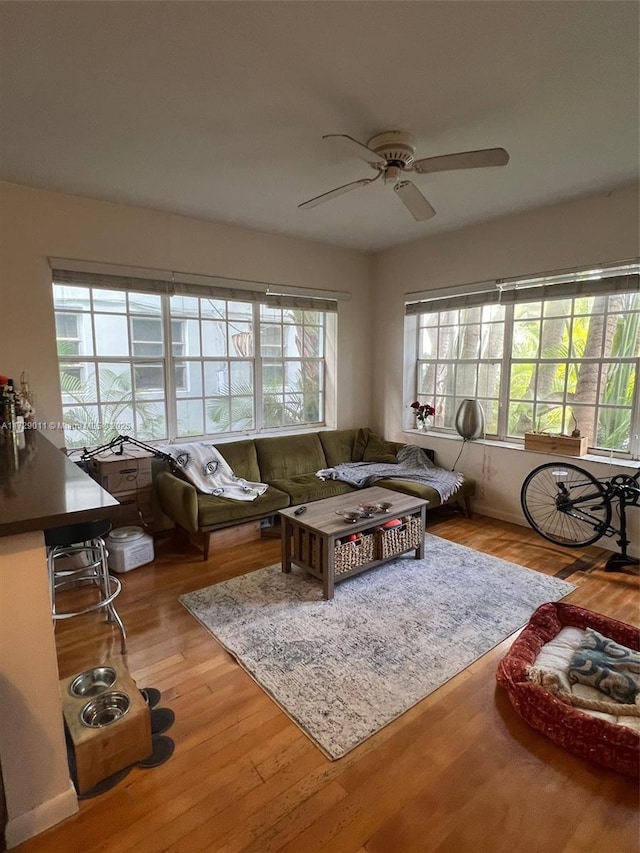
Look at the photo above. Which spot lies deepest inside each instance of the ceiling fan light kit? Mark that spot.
(392, 155)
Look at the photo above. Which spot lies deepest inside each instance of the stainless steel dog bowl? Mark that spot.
(93, 681)
(105, 709)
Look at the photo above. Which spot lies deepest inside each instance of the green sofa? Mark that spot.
(289, 465)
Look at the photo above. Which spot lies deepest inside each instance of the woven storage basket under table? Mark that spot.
(397, 540)
(350, 555)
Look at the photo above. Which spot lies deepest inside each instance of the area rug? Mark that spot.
(343, 669)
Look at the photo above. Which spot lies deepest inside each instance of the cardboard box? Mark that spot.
(564, 445)
(119, 474)
(135, 506)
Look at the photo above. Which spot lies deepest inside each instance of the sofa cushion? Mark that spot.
(338, 445)
(214, 512)
(360, 444)
(307, 487)
(242, 459)
(287, 456)
(418, 490)
(379, 450)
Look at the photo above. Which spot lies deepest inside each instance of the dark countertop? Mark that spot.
(41, 488)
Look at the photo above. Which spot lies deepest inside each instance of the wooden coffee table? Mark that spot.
(314, 539)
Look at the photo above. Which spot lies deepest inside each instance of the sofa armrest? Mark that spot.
(179, 500)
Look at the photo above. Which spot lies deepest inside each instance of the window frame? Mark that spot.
(169, 396)
(508, 361)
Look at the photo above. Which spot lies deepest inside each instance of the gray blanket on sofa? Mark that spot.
(413, 465)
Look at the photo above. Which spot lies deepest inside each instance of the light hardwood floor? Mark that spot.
(458, 772)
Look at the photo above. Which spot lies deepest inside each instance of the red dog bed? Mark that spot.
(614, 746)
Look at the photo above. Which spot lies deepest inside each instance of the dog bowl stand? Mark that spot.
(102, 751)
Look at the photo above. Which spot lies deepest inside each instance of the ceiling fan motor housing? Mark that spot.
(395, 146)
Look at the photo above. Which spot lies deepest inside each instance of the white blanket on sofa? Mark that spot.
(204, 466)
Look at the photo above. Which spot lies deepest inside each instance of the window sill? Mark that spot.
(622, 462)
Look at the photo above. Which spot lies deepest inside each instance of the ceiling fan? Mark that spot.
(391, 154)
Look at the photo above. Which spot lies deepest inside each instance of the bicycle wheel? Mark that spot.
(565, 504)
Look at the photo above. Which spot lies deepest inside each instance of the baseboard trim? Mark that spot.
(46, 814)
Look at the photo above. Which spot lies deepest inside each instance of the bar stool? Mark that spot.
(82, 549)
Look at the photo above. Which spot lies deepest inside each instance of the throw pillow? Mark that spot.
(360, 444)
(379, 450)
(606, 665)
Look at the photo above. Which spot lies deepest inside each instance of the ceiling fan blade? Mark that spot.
(414, 201)
(358, 149)
(345, 188)
(464, 160)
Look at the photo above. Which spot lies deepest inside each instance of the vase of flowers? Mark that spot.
(422, 411)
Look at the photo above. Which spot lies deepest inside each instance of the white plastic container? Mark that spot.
(129, 548)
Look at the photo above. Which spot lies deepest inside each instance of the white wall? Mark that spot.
(36, 224)
(587, 231)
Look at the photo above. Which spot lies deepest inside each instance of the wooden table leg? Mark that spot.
(423, 519)
(287, 529)
(328, 572)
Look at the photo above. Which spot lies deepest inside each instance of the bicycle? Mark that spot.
(569, 506)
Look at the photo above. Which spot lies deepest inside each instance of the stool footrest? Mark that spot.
(115, 588)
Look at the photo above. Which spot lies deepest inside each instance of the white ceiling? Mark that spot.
(217, 109)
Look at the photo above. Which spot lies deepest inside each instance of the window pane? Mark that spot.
(216, 378)
(145, 303)
(273, 409)
(115, 381)
(489, 376)
(312, 346)
(151, 421)
(116, 419)
(109, 300)
(242, 340)
(241, 413)
(184, 306)
(73, 333)
(241, 376)
(218, 415)
(493, 340)
(146, 329)
(466, 380)
(190, 417)
(490, 416)
(469, 343)
(271, 340)
(213, 309)
(68, 296)
(81, 426)
(520, 419)
(240, 311)
(188, 378)
(523, 381)
(185, 337)
(78, 383)
(214, 337)
(149, 380)
(112, 334)
(526, 339)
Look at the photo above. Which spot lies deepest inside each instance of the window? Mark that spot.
(550, 364)
(160, 365)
